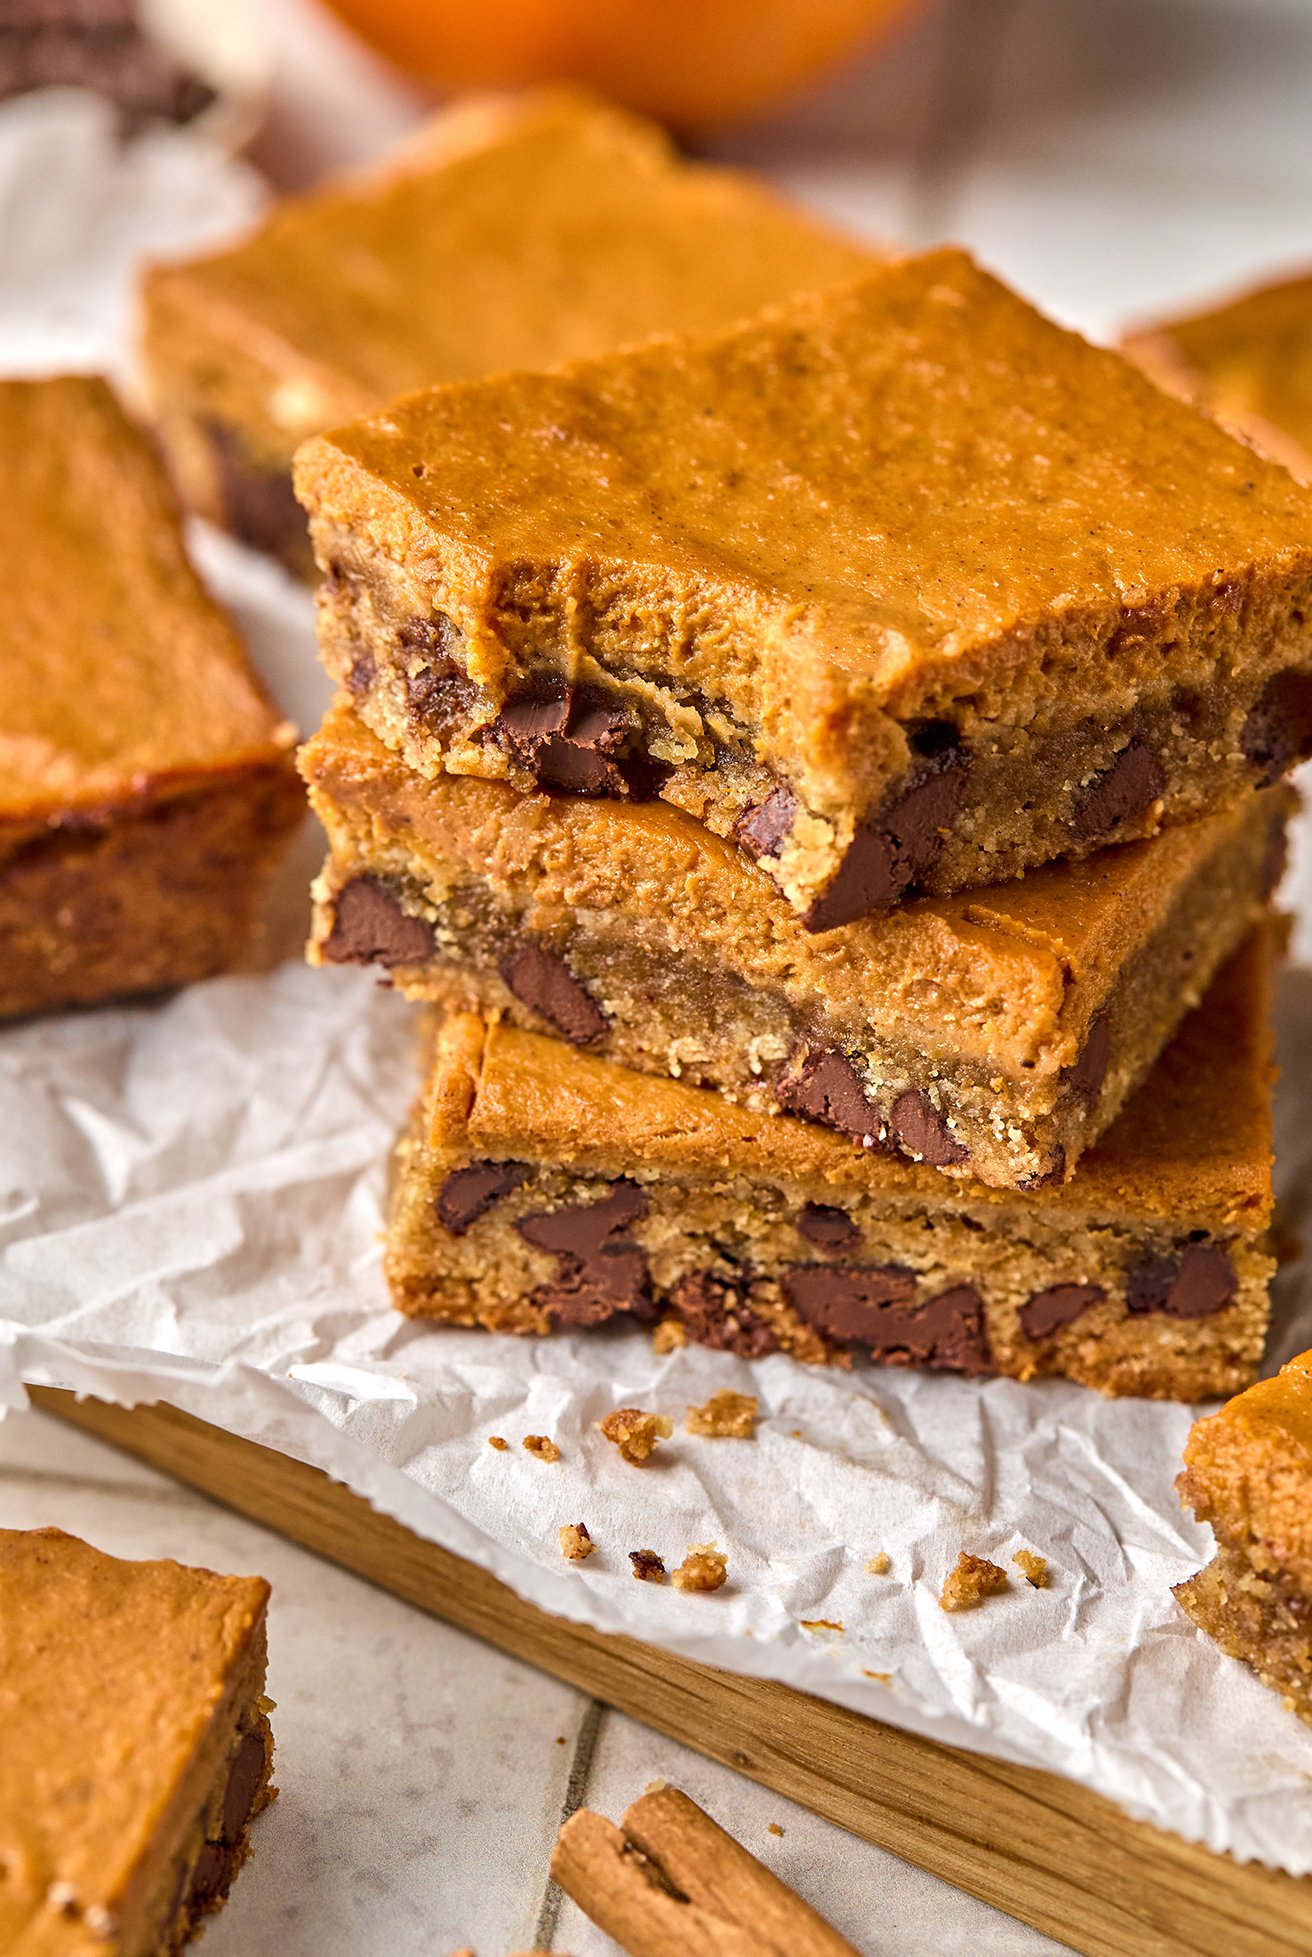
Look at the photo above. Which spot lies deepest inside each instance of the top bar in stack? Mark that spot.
(511, 234)
(899, 585)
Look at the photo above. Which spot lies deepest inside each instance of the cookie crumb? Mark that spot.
(575, 1542)
(669, 1335)
(636, 1433)
(879, 1564)
(794, 1433)
(656, 1787)
(1033, 1567)
(821, 1624)
(726, 1416)
(974, 1579)
(541, 1447)
(704, 1568)
(495, 1440)
(880, 1678)
(561, 1740)
(773, 1828)
(648, 1567)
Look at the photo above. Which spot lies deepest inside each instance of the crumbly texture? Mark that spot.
(900, 586)
(725, 1416)
(647, 1566)
(576, 1545)
(879, 1564)
(136, 1745)
(1033, 1567)
(704, 1568)
(541, 1188)
(636, 1434)
(563, 227)
(541, 1447)
(971, 1582)
(993, 1034)
(146, 779)
(496, 1441)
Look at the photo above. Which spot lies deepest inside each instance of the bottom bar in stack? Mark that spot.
(541, 1188)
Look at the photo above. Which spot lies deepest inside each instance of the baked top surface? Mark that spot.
(118, 671)
(110, 1673)
(897, 472)
(1248, 1468)
(513, 235)
(1193, 1147)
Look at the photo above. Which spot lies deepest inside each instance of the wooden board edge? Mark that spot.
(1040, 1848)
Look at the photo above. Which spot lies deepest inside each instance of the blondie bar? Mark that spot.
(146, 779)
(899, 586)
(136, 1746)
(993, 1034)
(510, 235)
(1248, 1471)
(544, 1188)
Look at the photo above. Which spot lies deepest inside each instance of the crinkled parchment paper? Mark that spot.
(190, 1200)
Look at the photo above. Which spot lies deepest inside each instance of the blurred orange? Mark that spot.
(690, 62)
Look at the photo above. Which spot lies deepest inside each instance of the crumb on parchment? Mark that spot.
(495, 1440)
(648, 1567)
(879, 1564)
(636, 1433)
(725, 1416)
(704, 1568)
(1033, 1567)
(541, 1447)
(575, 1542)
(973, 1579)
(773, 1828)
(669, 1335)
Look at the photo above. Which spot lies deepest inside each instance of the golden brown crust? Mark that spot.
(1248, 1471)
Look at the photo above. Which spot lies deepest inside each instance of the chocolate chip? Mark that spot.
(1045, 1312)
(1197, 1283)
(436, 635)
(258, 505)
(1088, 1071)
(469, 1193)
(1123, 792)
(827, 1087)
(647, 1566)
(889, 855)
(870, 1305)
(543, 981)
(362, 674)
(371, 927)
(1278, 729)
(245, 1776)
(923, 1131)
(1049, 1178)
(601, 1272)
(828, 1228)
(211, 1873)
(437, 687)
(715, 1314)
(572, 738)
(762, 828)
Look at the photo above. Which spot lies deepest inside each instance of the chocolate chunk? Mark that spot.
(258, 505)
(601, 1271)
(870, 1305)
(573, 738)
(371, 927)
(1045, 1312)
(1278, 729)
(542, 980)
(715, 1313)
(362, 674)
(437, 686)
(1088, 1071)
(889, 855)
(923, 1131)
(469, 1193)
(827, 1087)
(1123, 792)
(763, 828)
(244, 1779)
(828, 1228)
(1197, 1283)
(211, 1875)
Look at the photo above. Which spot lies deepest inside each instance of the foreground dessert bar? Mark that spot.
(900, 586)
(992, 1035)
(543, 1188)
(1248, 1471)
(136, 1745)
(145, 777)
(513, 235)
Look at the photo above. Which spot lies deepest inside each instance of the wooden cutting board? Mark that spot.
(1030, 1843)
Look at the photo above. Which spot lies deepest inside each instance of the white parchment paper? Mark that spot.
(190, 1200)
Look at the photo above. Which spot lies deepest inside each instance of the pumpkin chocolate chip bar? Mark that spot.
(136, 1747)
(899, 586)
(544, 1188)
(993, 1034)
(146, 779)
(1248, 1471)
(509, 234)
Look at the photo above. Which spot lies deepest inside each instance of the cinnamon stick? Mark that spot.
(669, 1882)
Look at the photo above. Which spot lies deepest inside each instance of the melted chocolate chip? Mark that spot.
(244, 1780)
(469, 1193)
(888, 856)
(577, 739)
(1123, 792)
(258, 505)
(1046, 1312)
(924, 1132)
(828, 1228)
(543, 981)
(211, 1875)
(601, 1272)
(371, 927)
(1278, 729)
(1197, 1283)
(1088, 1071)
(763, 828)
(362, 674)
(715, 1313)
(827, 1087)
(436, 685)
(870, 1305)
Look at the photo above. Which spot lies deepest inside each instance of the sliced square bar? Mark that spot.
(900, 586)
(509, 234)
(146, 779)
(1248, 1471)
(136, 1748)
(993, 1034)
(542, 1188)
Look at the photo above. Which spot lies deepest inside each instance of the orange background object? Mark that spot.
(690, 62)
